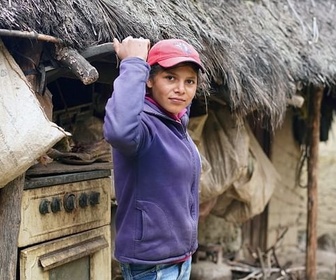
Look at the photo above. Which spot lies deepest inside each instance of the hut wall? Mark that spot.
(287, 207)
(326, 223)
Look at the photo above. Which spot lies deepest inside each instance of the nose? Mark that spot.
(180, 87)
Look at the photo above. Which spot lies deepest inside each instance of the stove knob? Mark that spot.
(83, 200)
(55, 205)
(69, 202)
(44, 206)
(94, 198)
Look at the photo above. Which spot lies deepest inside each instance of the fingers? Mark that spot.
(147, 43)
(116, 44)
(132, 47)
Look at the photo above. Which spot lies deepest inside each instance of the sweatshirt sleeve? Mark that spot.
(122, 122)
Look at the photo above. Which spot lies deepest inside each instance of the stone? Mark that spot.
(207, 270)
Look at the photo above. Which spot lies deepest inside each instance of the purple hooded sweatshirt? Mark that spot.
(156, 173)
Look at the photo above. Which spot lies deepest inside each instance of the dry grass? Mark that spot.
(254, 51)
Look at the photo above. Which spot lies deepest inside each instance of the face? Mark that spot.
(174, 88)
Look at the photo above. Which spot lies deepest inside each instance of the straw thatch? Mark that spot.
(255, 52)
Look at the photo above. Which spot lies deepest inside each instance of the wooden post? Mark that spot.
(312, 205)
(10, 218)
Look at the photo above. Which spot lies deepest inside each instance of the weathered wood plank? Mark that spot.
(10, 218)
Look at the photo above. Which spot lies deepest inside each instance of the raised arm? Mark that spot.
(122, 119)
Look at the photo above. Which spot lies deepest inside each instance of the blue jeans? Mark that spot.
(178, 271)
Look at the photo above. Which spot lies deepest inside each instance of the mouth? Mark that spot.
(177, 100)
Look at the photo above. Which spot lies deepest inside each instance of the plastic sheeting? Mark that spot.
(237, 178)
(248, 196)
(223, 146)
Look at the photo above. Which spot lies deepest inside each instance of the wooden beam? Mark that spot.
(30, 35)
(10, 218)
(312, 199)
(77, 65)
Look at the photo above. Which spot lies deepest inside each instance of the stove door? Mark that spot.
(84, 256)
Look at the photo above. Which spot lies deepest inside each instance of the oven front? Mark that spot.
(65, 228)
(83, 256)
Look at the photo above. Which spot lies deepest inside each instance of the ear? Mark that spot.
(149, 83)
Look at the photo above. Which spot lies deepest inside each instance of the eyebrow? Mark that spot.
(170, 71)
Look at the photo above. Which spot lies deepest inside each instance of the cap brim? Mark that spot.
(170, 62)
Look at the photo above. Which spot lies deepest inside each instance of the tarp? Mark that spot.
(25, 131)
(248, 196)
(237, 178)
(223, 146)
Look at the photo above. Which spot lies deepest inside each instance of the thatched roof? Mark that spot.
(254, 51)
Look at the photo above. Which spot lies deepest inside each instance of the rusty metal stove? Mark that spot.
(65, 228)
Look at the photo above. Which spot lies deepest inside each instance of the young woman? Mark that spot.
(156, 163)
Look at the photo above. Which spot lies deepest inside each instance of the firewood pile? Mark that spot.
(258, 265)
(266, 268)
(266, 265)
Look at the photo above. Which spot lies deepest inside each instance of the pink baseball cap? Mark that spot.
(169, 52)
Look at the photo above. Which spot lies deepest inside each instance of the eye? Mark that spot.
(190, 82)
(170, 77)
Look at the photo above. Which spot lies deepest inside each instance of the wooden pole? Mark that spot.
(10, 218)
(312, 205)
(77, 64)
(30, 35)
